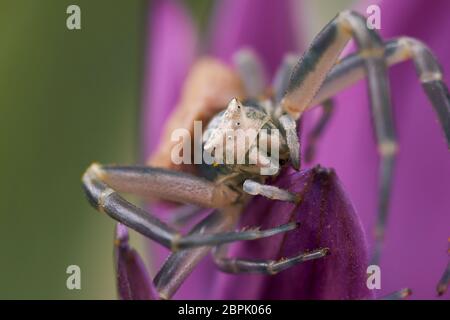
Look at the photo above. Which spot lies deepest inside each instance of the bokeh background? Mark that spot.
(68, 98)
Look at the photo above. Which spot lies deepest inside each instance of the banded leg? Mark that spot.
(352, 69)
(251, 71)
(180, 265)
(232, 265)
(98, 183)
(282, 76)
(149, 182)
(317, 131)
(289, 126)
(311, 72)
(271, 192)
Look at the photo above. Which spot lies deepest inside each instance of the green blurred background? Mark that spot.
(68, 98)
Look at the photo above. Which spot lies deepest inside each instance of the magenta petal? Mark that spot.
(327, 220)
(171, 50)
(133, 281)
(419, 212)
(266, 26)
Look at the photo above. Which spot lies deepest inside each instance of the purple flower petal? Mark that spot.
(327, 220)
(171, 50)
(133, 281)
(419, 210)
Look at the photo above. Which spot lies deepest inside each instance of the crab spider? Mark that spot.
(313, 80)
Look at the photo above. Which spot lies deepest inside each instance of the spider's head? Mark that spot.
(232, 133)
(224, 127)
(234, 115)
(233, 110)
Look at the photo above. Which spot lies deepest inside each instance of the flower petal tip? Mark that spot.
(335, 260)
(133, 281)
(121, 235)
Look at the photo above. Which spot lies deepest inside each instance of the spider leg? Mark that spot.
(280, 85)
(282, 76)
(289, 126)
(317, 131)
(99, 181)
(310, 73)
(251, 71)
(165, 184)
(180, 264)
(232, 265)
(352, 68)
(271, 192)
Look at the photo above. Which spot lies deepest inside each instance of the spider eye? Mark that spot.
(238, 123)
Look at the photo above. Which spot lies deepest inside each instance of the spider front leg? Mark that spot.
(251, 72)
(233, 265)
(352, 68)
(289, 126)
(287, 122)
(282, 76)
(318, 129)
(101, 182)
(311, 71)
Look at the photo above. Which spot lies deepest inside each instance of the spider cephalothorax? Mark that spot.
(246, 140)
(313, 80)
